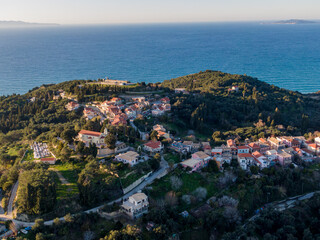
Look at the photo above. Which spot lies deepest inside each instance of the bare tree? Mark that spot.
(88, 235)
(176, 183)
(226, 179)
(186, 199)
(231, 214)
(200, 193)
(228, 201)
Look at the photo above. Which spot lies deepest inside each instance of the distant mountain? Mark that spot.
(291, 21)
(24, 24)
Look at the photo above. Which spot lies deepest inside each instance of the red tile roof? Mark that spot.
(90, 133)
(245, 155)
(153, 144)
(48, 159)
(243, 147)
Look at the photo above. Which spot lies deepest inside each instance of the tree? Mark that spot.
(38, 225)
(110, 140)
(254, 169)
(176, 183)
(212, 166)
(65, 153)
(80, 147)
(68, 218)
(154, 135)
(68, 135)
(36, 192)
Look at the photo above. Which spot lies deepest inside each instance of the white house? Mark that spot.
(130, 157)
(246, 160)
(136, 205)
(243, 149)
(91, 137)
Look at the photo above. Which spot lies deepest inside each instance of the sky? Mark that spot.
(152, 11)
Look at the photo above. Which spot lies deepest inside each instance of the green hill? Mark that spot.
(210, 106)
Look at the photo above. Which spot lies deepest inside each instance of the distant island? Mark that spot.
(9, 24)
(291, 21)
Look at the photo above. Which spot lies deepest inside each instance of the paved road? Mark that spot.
(12, 197)
(158, 174)
(287, 203)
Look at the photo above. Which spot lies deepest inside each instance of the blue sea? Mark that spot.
(285, 55)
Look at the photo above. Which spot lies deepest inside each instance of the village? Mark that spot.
(194, 155)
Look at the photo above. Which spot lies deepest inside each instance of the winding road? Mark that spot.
(161, 172)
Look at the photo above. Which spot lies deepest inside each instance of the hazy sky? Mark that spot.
(132, 11)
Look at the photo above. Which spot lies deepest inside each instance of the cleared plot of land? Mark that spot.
(67, 177)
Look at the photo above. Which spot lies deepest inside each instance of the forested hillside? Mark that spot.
(212, 105)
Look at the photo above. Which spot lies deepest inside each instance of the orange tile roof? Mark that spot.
(48, 159)
(153, 144)
(91, 133)
(245, 155)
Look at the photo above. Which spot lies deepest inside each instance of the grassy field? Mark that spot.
(70, 172)
(65, 191)
(28, 156)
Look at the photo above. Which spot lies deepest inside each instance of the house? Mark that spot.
(158, 127)
(264, 147)
(138, 99)
(206, 147)
(153, 146)
(243, 149)
(115, 101)
(254, 147)
(216, 151)
(194, 164)
(284, 158)
(165, 100)
(231, 143)
(263, 141)
(272, 155)
(158, 111)
(181, 90)
(223, 158)
(136, 205)
(317, 140)
(261, 160)
(91, 137)
(49, 160)
(246, 160)
(89, 113)
(201, 156)
(119, 119)
(164, 135)
(233, 89)
(130, 157)
(72, 106)
(112, 111)
(315, 148)
(276, 143)
(178, 146)
(131, 112)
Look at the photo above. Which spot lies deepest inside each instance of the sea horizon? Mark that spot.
(287, 56)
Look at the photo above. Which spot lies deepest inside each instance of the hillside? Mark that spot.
(212, 106)
(8, 24)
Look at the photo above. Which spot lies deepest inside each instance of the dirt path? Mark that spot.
(61, 178)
